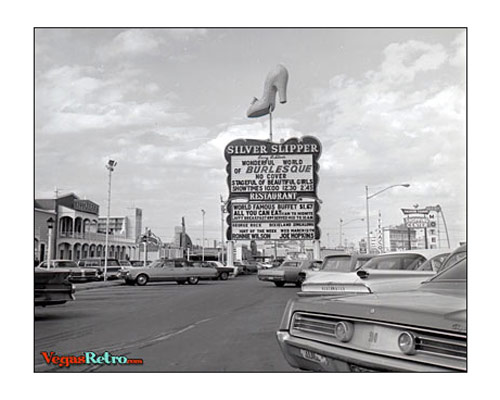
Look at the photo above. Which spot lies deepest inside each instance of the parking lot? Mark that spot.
(213, 326)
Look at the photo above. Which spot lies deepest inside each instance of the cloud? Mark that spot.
(78, 99)
(143, 42)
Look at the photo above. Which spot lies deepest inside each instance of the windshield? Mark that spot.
(64, 264)
(434, 263)
(395, 262)
(156, 264)
(453, 259)
(291, 264)
(342, 264)
(455, 272)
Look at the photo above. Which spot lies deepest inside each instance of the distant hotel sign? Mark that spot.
(416, 222)
(272, 189)
(86, 206)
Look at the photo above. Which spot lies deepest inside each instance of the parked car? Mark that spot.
(164, 270)
(287, 272)
(340, 262)
(267, 265)
(389, 272)
(243, 268)
(223, 272)
(112, 270)
(52, 287)
(416, 330)
(77, 274)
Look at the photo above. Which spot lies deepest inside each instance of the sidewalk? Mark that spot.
(98, 284)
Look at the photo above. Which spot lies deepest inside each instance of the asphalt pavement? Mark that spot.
(215, 326)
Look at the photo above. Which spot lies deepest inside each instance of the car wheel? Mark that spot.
(279, 284)
(141, 280)
(192, 280)
(223, 276)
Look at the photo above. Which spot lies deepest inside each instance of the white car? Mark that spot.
(389, 272)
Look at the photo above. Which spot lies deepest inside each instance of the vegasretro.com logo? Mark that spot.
(88, 358)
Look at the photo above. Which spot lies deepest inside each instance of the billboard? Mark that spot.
(272, 189)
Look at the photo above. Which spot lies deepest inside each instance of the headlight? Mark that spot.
(344, 331)
(406, 343)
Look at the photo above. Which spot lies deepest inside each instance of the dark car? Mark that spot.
(113, 268)
(77, 274)
(52, 287)
(223, 272)
(420, 330)
(288, 272)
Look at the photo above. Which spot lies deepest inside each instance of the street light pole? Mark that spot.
(370, 196)
(367, 221)
(50, 226)
(110, 167)
(203, 236)
(222, 206)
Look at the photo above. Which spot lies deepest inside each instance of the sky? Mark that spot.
(388, 106)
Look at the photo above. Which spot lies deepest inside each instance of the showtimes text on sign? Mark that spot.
(272, 189)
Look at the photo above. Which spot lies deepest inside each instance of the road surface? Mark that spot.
(213, 326)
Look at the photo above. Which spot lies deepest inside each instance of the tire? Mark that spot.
(298, 284)
(279, 284)
(141, 279)
(193, 280)
(130, 283)
(223, 276)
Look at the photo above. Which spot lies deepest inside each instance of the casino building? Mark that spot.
(78, 231)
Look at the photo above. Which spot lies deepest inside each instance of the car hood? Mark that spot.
(435, 309)
(376, 281)
(373, 275)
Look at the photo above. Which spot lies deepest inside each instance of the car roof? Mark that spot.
(427, 253)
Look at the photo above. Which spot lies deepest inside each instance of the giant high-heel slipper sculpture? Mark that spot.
(276, 81)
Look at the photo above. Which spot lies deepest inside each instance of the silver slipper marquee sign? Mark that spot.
(273, 189)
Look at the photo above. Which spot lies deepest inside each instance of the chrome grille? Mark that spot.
(314, 324)
(442, 344)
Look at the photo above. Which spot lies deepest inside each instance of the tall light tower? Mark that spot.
(110, 166)
(203, 235)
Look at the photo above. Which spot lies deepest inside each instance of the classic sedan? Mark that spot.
(287, 272)
(387, 272)
(421, 330)
(223, 272)
(180, 271)
(338, 263)
(77, 274)
(52, 287)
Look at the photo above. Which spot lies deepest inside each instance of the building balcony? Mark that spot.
(95, 237)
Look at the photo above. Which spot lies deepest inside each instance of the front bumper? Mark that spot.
(310, 355)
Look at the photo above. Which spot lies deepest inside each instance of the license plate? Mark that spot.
(312, 356)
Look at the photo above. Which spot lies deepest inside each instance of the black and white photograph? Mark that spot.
(279, 207)
(296, 206)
